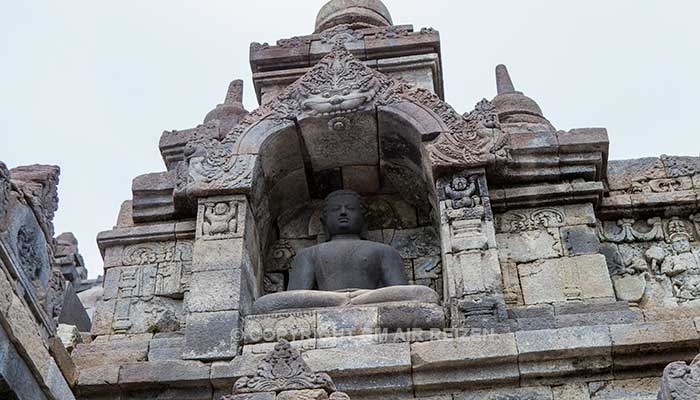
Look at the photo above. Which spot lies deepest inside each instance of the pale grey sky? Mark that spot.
(90, 85)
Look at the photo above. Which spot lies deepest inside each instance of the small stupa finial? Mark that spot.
(503, 82)
(235, 92)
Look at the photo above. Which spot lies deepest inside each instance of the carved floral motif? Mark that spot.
(283, 369)
(393, 32)
(530, 220)
(628, 233)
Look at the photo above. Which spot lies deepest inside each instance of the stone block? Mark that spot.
(642, 389)
(580, 240)
(411, 316)
(98, 378)
(63, 361)
(110, 352)
(554, 355)
(572, 278)
(654, 344)
(182, 373)
(274, 327)
(15, 372)
(265, 348)
(218, 291)
(217, 255)
(574, 391)
(383, 358)
(56, 382)
(225, 373)
(212, 335)
(528, 246)
(344, 342)
(168, 393)
(428, 267)
(464, 351)
(347, 321)
(534, 393)
(166, 348)
(317, 394)
(599, 318)
(466, 362)
(256, 396)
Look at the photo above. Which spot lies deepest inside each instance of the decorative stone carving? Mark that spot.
(280, 256)
(28, 256)
(296, 41)
(393, 32)
(681, 381)
(530, 220)
(462, 192)
(628, 233)
(338, 84)
(220, 219)
(680, 263)
(283, 369)
(341, 34)
(54, 294)
(39, 183)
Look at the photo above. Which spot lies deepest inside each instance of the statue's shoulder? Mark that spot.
(383, 247)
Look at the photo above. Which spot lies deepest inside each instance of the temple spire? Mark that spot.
(231, 111)
(503, 82)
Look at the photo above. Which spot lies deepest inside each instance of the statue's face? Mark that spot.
(459, 183)
(344, 216)
(221, 209)
(681, 245)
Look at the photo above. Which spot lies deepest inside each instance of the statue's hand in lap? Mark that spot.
(346, 270)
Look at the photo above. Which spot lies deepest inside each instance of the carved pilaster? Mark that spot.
(472, 274)
(224, 281)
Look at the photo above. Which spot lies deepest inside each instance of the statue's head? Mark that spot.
(343, 214)
(680, 243)
(221, 208)
(459, 183)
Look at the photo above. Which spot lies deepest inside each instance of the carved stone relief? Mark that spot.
(681, 381)
(653, 262)
(529, 220)
(220, 220)
(283, 369)
(149, 287)
(341, 34)
(339, 83)
(29, 258)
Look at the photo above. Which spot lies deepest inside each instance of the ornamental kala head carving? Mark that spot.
(338, 84)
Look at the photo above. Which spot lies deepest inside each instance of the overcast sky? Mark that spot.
(90, 85)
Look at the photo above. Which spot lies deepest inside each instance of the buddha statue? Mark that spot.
(347, 270)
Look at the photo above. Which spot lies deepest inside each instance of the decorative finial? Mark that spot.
(235, 92)
(503, 82)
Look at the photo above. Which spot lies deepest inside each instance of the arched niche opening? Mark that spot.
(379, 153)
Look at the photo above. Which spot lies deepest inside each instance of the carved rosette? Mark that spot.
(681, 381)
(283, 369)
(337, 85)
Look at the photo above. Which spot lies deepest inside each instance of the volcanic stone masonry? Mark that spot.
(356, 237)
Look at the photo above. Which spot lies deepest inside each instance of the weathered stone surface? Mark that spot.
(345, 322)
(63, 362)
(15, 372)
(541, 393)
(275, 327)
(114, 352)
(384, 358)
(164, 372)
(166, 347)
(571, 278)
(96, 378)
(253, 396)
(212, 335)
(646, 389)
(580, 240)
(574, 391)
(69, 335)
(557, 354)
(317, 394)
(528, 246)
(411, 316)
(225, 373)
